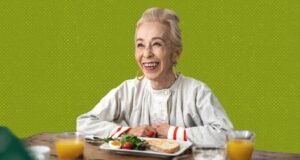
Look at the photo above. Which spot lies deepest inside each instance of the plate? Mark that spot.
(184, 145)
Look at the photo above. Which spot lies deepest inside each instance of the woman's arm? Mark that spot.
(107, 118)
(212, 121)
(111, 115)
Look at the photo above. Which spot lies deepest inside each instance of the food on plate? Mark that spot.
(132, 142)
(126, 142)
(163, 145)
(150, 134)
(114, 144)
(127, 145)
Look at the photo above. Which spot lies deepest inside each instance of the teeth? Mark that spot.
(150, 64)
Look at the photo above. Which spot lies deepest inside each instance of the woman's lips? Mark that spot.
(150, 65)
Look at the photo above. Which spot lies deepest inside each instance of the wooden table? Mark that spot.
(92, 151)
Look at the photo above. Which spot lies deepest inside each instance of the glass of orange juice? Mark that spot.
(240, 144)
(69, 145)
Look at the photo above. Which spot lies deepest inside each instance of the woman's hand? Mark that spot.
(143, 131)
(161, 129)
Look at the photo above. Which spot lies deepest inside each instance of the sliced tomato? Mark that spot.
(127, 145)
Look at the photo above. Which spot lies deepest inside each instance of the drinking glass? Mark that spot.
(183, 157)
(69, 145)
(209, 153)
(240, 144)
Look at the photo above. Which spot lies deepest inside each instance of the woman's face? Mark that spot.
(153, 51)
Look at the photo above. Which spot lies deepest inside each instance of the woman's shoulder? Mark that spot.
(191, 82)
(193, 86)
(132, 83)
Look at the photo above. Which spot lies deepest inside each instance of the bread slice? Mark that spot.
(163, 145)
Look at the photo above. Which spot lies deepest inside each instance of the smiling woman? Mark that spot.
(161, 102)
(155, 55)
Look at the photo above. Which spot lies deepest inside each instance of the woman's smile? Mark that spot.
(150, 66)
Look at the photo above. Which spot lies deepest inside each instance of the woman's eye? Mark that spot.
(139, 45)
(157, 44)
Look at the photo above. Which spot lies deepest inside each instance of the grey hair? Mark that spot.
(167, 17)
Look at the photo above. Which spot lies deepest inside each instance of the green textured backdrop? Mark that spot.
(58, 58)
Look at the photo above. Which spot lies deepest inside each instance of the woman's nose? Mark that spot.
(147, 53)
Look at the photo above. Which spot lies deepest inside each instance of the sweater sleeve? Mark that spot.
(215, 122)
(107, 118)
(212, 121)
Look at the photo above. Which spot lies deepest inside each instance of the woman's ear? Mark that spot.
(177, 55)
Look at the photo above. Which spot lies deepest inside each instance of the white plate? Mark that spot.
(184, 145)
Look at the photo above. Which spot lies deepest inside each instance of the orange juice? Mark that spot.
(68, 149)
(240, 149)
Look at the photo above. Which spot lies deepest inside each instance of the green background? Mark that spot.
(58, 58)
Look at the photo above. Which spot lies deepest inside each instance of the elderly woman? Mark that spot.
(160, 103)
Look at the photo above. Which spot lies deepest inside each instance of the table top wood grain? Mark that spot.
(92, 151)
